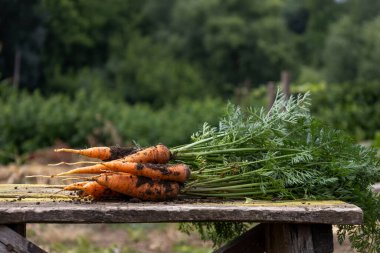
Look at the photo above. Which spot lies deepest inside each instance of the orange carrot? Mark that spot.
(93, 189)
(156, 154)
(102, 153)
(139, 187)
(176, 172)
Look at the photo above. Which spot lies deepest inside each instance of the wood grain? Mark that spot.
(49, 204)
(120, 212)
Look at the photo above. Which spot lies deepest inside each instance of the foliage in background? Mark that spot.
(376, 142)
(145, 71)
(353, 107)
(217, 232)
(31, 121)
(155, 52)
(352, 51)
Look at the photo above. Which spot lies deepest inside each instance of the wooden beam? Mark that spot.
(19, 228)
(271, 94)
(285, 81)
(10, 241)
(120, 212)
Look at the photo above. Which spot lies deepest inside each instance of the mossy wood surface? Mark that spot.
(49, 204)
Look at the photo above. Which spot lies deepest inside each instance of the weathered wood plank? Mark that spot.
(179, 211)
(251, 241)
(10, 241)
(31, 192)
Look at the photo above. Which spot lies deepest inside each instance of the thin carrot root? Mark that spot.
(46, 176)
(73, 178)
(94, 169)
(76, 163)
(139, 187)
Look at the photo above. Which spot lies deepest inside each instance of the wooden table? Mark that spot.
(284, 226)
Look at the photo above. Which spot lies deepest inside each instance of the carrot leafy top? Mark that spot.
(283, 153)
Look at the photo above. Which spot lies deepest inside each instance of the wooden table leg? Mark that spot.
(11, 241)
(298, 238)
(283, 238)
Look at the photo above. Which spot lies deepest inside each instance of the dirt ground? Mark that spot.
(110, 238)
(126, 238)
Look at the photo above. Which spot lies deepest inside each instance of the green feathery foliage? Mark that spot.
(283, 154)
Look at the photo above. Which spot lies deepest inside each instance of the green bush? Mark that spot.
(30, 121)
(376, 142)
(352, 51)
(352, 107)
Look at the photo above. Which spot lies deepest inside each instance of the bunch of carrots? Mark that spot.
(138, 173)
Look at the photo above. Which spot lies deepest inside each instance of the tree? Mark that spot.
(22, 37)
(145, 71)
(342, 51)
(368, 65)
(81, 33)
(352, 51)
(233, 41)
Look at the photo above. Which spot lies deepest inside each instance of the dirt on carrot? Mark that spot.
(93, 189)
(139, 187)
(156, 154)
(174, 172)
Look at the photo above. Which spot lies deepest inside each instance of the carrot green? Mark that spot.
(283, 153)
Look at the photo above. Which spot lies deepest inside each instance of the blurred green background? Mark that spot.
(93, 72)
